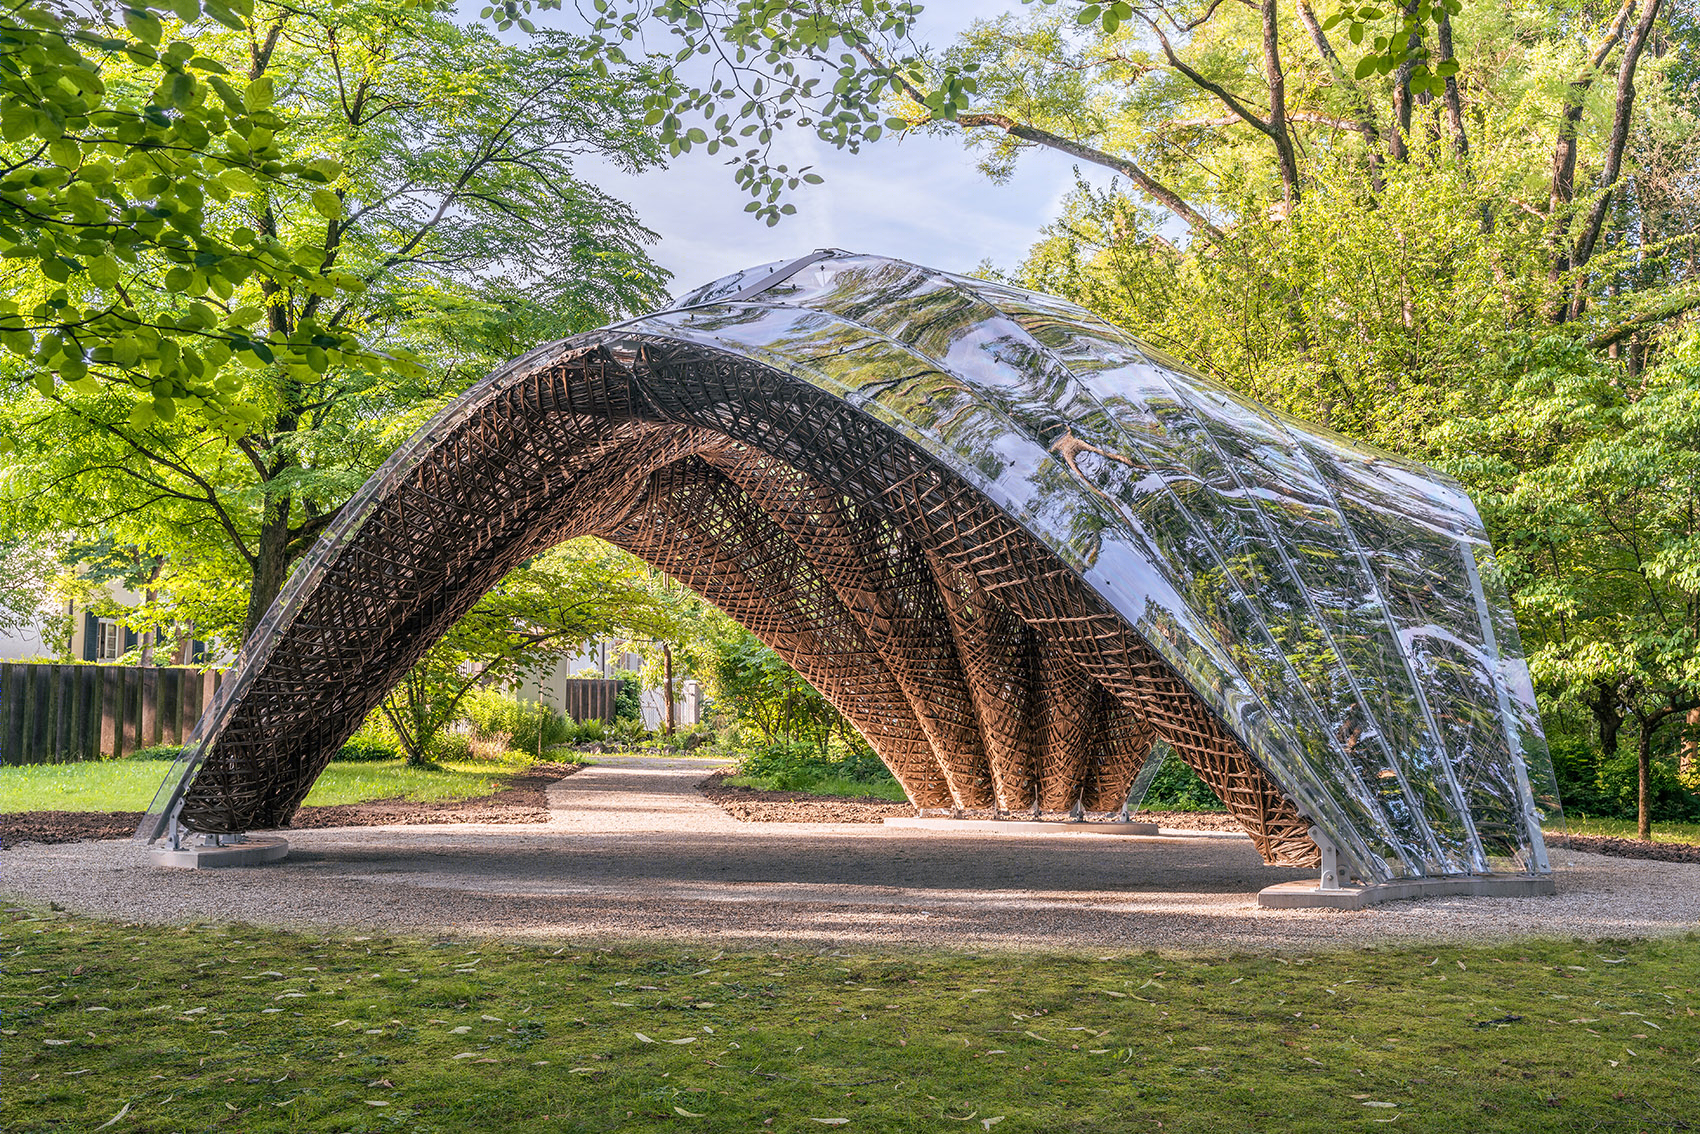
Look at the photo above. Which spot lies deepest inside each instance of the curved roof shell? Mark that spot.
(1317, 627)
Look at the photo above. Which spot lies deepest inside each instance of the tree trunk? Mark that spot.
(1644, 785)
(667, 683)
(1615, 146)
(1607, 718)
(1399, 137)
(1277, 78)
(271, 564)
(1689, 762)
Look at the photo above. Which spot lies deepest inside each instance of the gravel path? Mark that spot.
(633, 851)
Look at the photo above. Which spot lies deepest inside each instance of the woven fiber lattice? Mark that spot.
(1014, 546)
(882, 580)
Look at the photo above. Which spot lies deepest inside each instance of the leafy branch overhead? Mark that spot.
(116, 144)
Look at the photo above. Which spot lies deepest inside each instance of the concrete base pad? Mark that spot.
(1022, 826)
(1306, 895)
(255, 850)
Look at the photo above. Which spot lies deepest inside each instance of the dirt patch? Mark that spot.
(67, 826)
(524, 800)
(751, 805)
(1627, 848)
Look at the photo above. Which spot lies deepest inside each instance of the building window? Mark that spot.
(110, 641)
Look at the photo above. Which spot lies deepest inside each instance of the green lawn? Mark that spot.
(834, 785)
(1625, 828)
(129, 785)
(233, 1028)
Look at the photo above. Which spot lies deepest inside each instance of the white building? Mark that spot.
(608, 659)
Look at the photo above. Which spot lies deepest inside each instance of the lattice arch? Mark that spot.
(823, 450)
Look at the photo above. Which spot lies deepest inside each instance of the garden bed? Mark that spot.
(524, 800)
(753, 805)
(1626, 848)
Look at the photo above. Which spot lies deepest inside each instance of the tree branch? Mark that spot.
(1615, 145)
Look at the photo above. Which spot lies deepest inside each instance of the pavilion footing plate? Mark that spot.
(255, 850)
(1305, 894)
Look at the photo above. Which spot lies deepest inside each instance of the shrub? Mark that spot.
(361, 749)
(449, 746)
(629, 729)
(1619, 781)
(798, 765)
(584, 732)
(1178, 788)
(498, 719)
(1576, 769)
(156, 752)
(628, 700)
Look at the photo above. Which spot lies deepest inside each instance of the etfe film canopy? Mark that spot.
(1022, 552)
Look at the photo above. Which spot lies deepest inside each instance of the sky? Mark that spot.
(918, 198)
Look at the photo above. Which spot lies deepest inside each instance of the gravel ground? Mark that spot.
(632, 851)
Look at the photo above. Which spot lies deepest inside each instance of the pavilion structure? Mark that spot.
(1021, 551)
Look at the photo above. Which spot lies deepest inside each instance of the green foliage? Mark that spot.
(442, 748)
(524, 726)
(437, 216)
(628, 697)
(156, 752)
(582, 732)
(365, 749)
(540, 614)
(1176, 787)
(799, 765)
(119, 143)
(629, 730)
(762, 692)
(1618, 779)
(743, 71)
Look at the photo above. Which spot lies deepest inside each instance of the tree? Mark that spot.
(115, 143)
(28, 572)
(1593, 485)
(540, 614)
(766, 694)
(456, 213)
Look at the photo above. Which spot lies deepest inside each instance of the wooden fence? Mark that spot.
(54, 714)
(589, 698)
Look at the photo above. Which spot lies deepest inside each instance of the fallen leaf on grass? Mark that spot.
(686, 1039)
(988, 1123)
(830, 1121)
(125, 1109)
(377, 1102)
(683, 1113)
(1381, 1104)
(642, 1038)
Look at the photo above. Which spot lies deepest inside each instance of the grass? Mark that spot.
(832, 785)
(129, 785)
(1625, 829)
(234, 1028)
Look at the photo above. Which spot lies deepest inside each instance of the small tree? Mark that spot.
(538, 615)
(768, 695)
